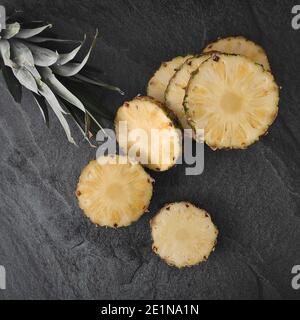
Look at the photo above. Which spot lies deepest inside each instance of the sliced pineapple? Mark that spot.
(114, 191)
(233, 99)
(175, 91)
(183, 235)
(151, 133)
(159, 82)
(242, 46)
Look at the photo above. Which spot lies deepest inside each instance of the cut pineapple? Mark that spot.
(183, 235)
(152, 136)
(233, 99)
(175, 91)
(159, 82)
(241, 46)
(114, 191)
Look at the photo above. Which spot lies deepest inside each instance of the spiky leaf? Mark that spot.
(67, 57)
(43, 57)
(70, 69)
(29, 33)
(41, 103)
(59, 89)
(11, 30)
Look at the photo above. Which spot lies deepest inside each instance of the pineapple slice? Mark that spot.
(183, 235)
(233, 99)
(114, 191)
(147, 118)
(159, 82)
(175, 91)
(241, 46)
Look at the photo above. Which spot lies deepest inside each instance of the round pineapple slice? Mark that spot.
(114, 191)
(152, 136)
(183, 235)
(159, 82)
(233, 99)
(175, 91)
(242, 46)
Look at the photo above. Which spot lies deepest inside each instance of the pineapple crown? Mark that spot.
(50, 76)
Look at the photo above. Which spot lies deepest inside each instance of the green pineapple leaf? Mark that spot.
(29, 33)
(41, 103)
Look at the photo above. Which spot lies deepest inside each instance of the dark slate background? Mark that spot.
(51, 251)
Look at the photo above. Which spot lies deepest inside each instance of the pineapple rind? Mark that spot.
(241, 46)
(163, 117)
(175, 92)
(114, 194)
(183, 235)
(157, 85)
(263, 130)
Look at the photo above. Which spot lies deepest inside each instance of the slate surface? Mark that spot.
(51, 251)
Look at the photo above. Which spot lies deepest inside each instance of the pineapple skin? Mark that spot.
(114, 219)
(216, 54)
(167, 112)
(213, 47)
(166, 71)
(167, 260)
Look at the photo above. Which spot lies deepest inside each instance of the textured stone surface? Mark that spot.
(51, 251)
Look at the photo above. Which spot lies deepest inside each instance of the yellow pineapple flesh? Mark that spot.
(159, 82)
(114, 191)
(241, 46)
(233, 99)
(147, 119)
(175, 91)
(183, 235)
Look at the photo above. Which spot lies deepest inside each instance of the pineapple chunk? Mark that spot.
(162, 147)
(183, 235)
(114, 191)
(241, 46)
(233, 99)
(176, 89)
(159, 82)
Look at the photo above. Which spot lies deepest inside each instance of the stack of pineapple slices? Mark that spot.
(228, 91)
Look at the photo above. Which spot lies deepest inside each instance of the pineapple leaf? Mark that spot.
(79, 119)
(21, 73)
(67, 57)
(29, 33)
(11, 30)
(20, 54)
(38, 39)
(59, 89)
(98, 83)
(50, 97)
(5, 52)
(71, 69)
(41, 103)
(12, 84)
(42, 57)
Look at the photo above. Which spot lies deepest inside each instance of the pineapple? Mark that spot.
(175, 91)
(159, 82)
(183, 235)
(233, 99)
(114, 191)
(30, 60)
(157, 139)
(242, 46)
